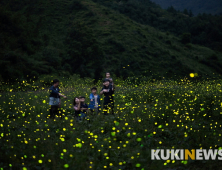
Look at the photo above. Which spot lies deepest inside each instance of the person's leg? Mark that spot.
(97, 111)
(54, 106)
(58, 110)
(54, 111)
(92, 111)
(51, 107)
(77, 117)
(50, 112)
(82, 115)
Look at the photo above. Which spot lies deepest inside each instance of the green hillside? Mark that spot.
(83, 37)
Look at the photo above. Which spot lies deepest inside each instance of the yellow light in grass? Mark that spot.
(191, 74)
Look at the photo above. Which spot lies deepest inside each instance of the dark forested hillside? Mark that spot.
(204, 29)
(197, 6)
(88, 38)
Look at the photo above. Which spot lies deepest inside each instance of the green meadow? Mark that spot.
(148, 115)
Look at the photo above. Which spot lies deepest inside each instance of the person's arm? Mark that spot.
(53, 91)
(85, 107)
(62, 95)
(91, 97)
(77, 107)
(102, 92)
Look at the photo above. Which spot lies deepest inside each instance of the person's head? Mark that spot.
(55, 82)
(82, 99)
(107, 75)
(75, 101)
(94, 90)
(106, 82)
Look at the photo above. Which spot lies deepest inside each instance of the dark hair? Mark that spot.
(55, 81)
(94, 88)
(81, 97)
(74, 101)
(106, 80)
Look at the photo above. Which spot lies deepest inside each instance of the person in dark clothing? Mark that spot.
(83, 107)
(112, 84)
(110, 79)
(76, 106)
(107, 90)
(54, 98)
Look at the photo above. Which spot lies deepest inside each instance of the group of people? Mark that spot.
(80, 107)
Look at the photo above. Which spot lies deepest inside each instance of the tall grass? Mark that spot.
(149, 115)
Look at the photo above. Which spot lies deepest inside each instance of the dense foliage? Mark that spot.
(205, 29)
(86, 38)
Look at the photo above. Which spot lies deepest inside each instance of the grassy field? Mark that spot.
(161, 114)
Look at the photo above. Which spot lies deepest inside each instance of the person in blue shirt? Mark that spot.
(94, 105)
(107, 90)
(54, 98)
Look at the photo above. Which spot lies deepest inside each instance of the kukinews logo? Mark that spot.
(185, 154)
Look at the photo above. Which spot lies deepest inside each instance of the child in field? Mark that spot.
(94, 101)
(107, 90)
(80, 107)
(110, 79)
(83, 107)
(76, 106)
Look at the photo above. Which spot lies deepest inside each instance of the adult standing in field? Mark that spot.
(110, 79)
(107, 90)
(54, 98)
(113, 87)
